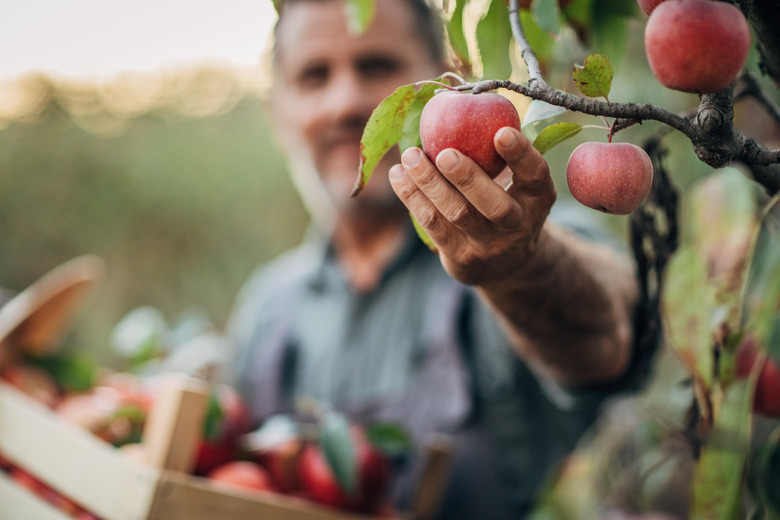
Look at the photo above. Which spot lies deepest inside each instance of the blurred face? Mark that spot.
(329, 82)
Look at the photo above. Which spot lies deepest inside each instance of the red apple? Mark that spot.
(242, 474)
(609, 177)
(281, 462)
(228, 419)
(105, 412)
(766, 400)
(468, 123)
(373, 477)
(33, 381)
(696, 45)
(648, 5)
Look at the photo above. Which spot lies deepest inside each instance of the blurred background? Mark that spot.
(136, 131)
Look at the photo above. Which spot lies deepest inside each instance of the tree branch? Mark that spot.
(711, 131)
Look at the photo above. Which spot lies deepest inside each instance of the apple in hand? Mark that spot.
(468, 123)
(696, 46)
(766, 400)
(609, 177)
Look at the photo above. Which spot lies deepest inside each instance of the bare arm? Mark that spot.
(565, 303)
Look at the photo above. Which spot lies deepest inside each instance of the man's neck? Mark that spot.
(365, 247)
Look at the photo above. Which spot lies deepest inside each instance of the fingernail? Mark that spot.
(411, 157)
(396, 173)
(506, 138)
(447, 160)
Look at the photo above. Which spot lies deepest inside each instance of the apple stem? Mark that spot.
(434, 82)
(452, 75)
(611, 131)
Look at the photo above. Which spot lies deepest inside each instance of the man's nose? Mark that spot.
(349, 97)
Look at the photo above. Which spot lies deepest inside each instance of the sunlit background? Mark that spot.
(135, 130)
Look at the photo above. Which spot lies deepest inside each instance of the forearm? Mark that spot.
(568, 310)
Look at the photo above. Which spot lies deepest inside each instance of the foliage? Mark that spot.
(180, 201)
(688, 445)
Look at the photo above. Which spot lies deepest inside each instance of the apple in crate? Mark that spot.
(242, 474)
(227, 420)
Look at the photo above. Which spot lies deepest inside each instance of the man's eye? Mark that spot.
(313, 77)
(378, 67)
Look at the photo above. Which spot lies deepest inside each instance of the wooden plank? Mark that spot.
(183, 497)
(433, 480)
(35, 319)
(173, 428)
(18, 503)
(71, 460)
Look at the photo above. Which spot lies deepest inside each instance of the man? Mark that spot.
(508, 339)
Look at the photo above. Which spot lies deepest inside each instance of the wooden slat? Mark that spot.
(173, 428)
(35, 319)
(72, 461)
(18, 503)
(183, 497)
(435, 473)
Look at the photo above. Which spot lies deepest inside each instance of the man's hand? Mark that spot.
(566, 303)
(483, 231)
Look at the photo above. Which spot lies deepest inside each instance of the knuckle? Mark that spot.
(429, 218)
(458, 214)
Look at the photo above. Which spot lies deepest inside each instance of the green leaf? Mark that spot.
(410, 136)
(594, 79)
(721, 223)
(609, 26)
(359, 14)
(456, 34)
(540, 40)
(547, 15)
(555, 134)
(384, 129)
(423, 235)
(73, 371)
(717, 480)
(762, 287)
(763, 474)
(213, 419)
(688, 302)
(339, 450)
(389, 438)
(494, 33)
(396, 121)
(541, 111)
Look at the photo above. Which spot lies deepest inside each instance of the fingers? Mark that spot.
(457, 189)
(531, 172)
(416, 182)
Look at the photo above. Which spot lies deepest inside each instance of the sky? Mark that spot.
(99, 39)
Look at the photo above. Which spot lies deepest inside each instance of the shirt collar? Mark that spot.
(327, 272)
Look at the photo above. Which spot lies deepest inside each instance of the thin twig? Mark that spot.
(747, 86)
(529, 56)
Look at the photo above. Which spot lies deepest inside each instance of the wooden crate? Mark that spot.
(113, 486)
(103, 479)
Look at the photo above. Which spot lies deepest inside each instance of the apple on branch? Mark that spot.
(609, 177)
(648, 5)
(696, 46)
